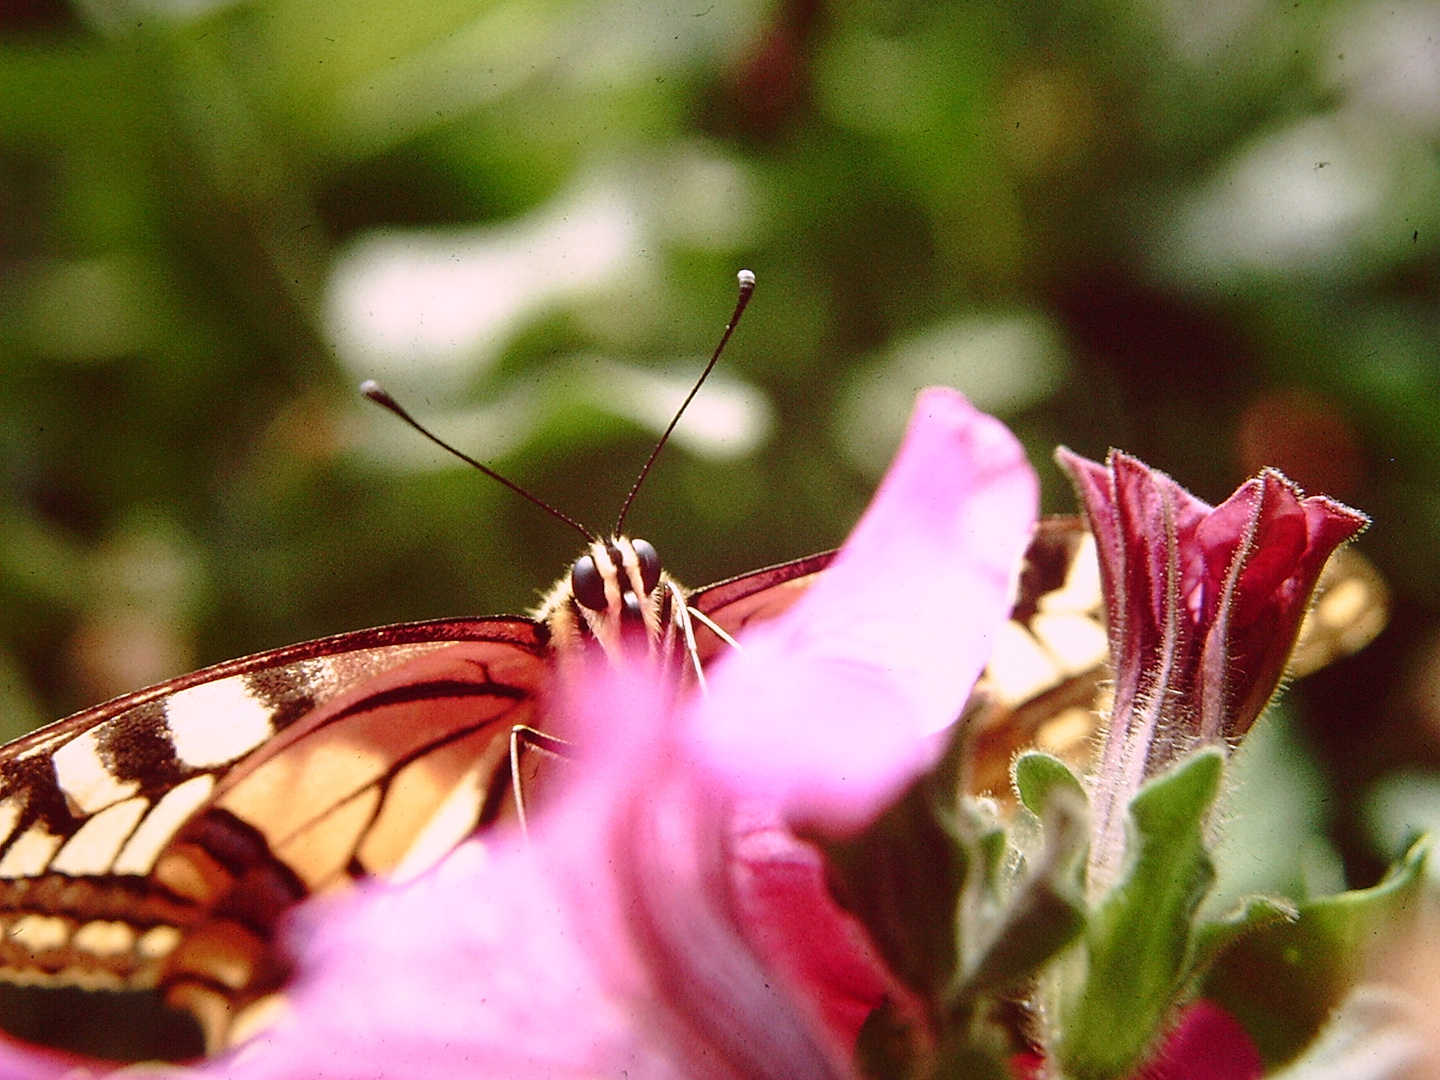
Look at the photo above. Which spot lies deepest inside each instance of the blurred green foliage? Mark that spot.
(1205, 233)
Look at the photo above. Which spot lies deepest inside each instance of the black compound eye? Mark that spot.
(587, 584)
(649, 564)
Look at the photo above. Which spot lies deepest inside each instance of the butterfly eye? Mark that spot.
(587, 584)
(649, 563)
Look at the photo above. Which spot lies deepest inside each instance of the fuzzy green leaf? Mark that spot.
(1046, 909)
(1283, 981)
(1138, 942)
(1036, 775)
(1213, 938)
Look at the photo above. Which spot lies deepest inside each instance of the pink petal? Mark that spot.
(675, 892)
(821, 950)
(475, 970)
(20, 1061)
(827, 711)
(1267, 546)
(1265, 523)
(1207, 1043)
(608, 944)
(1154, 509)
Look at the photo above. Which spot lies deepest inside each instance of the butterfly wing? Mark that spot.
(1352, 606)
(157, 839)
(1047, 677)
(755, 597)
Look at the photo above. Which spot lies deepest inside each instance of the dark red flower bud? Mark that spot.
(1204, 606)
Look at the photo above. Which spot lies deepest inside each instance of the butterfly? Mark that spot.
(158, 840)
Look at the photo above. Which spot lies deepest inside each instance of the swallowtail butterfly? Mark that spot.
(157, 840)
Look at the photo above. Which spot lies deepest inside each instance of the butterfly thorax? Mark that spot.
(615, 598)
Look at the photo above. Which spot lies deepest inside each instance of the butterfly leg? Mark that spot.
(714, 627)
(683, 613)
(522, 736)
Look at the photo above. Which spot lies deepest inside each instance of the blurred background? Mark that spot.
(1204, 232)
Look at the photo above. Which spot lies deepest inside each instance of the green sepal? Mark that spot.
(1045, 909)
(1136, 949)
(1035, 775)
(1283, 981)
(1214, 937)
(968, 1058)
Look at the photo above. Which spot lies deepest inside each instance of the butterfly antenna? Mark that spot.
(747, 287)
(378, 394)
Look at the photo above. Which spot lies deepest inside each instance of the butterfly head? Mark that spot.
(616, 594)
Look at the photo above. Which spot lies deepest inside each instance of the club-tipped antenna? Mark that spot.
(378, 394)
(747, 287)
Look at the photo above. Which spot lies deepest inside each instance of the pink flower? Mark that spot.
(1204, 605)
(1206, 1043)
(21, 1062)
(662, 920)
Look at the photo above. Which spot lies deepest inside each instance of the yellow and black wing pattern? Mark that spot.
(156, 840)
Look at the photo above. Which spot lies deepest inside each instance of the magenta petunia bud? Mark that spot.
(1204, 605)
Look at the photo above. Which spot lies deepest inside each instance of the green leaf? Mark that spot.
(1138, 942)
(1037, 775)
(1215, 936)
(1284, 980)
(1046, 909)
